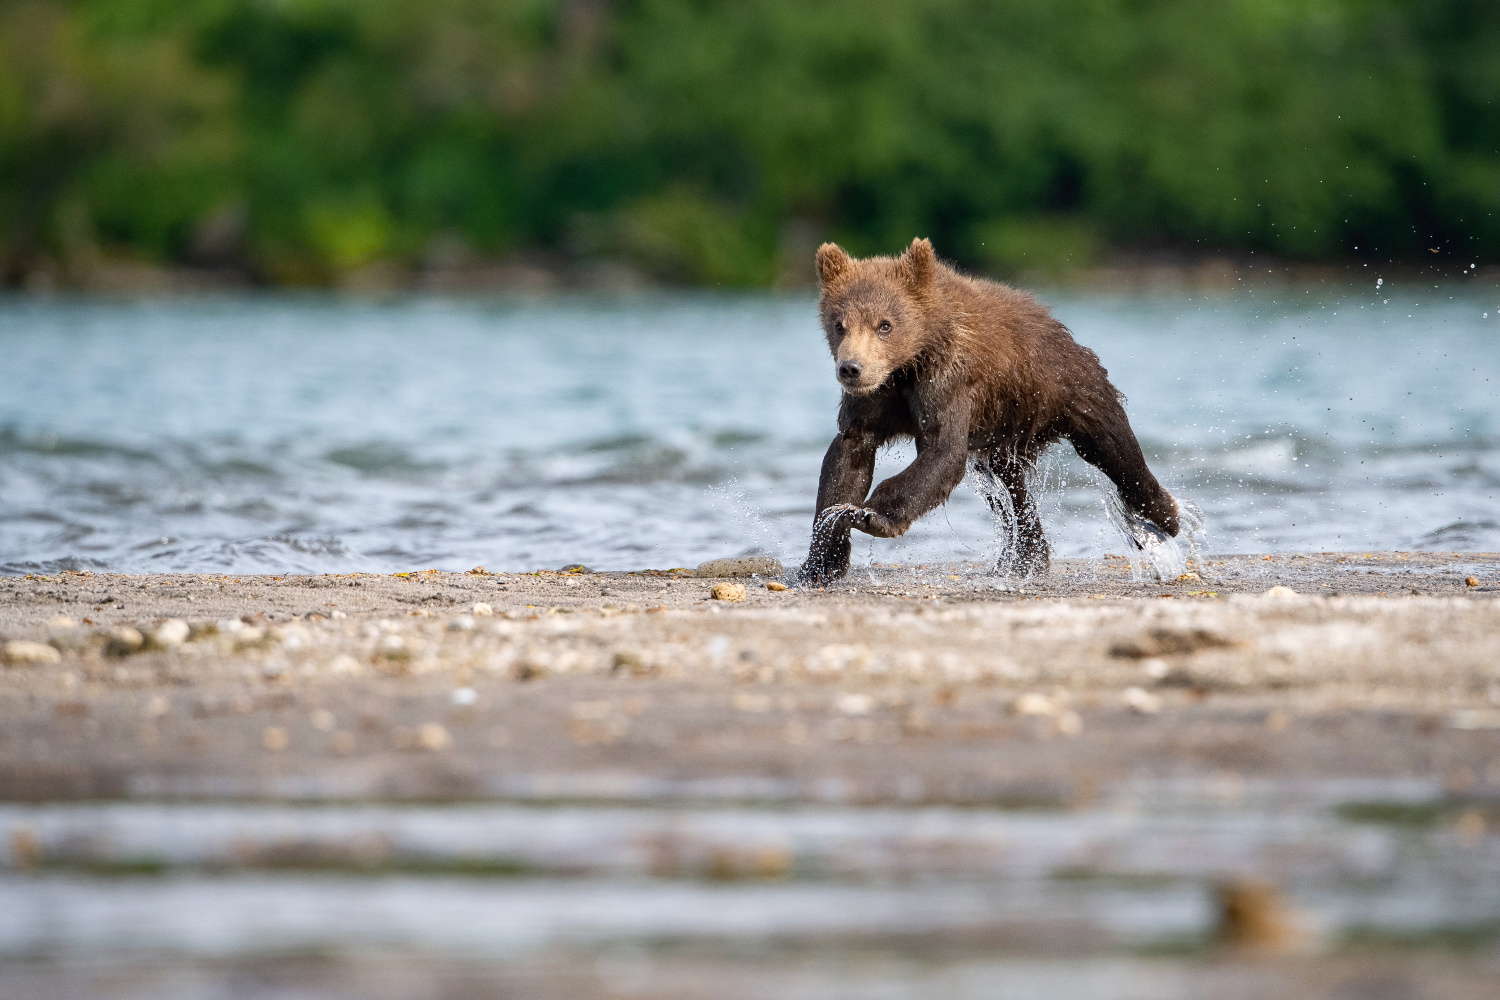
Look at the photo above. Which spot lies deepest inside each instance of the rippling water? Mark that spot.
(287, 433)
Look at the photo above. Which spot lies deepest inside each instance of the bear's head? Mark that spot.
(875, 312)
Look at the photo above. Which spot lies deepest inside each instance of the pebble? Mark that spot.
(1155, 668)
(274, 739)
(343, 664)
(323, 720)
(1472, 581)
(463, 623)
(124, 641)
(1280, 591)
(464, 696)
(1032, 703)
(433, 736)
(481, 610)
(170, 633)
(750, 701)
(1141, 701)
(855, 704)
(742, 566)
(776, 586)
(23, 653)
(62, 621)
(1070, 723)
(1254, 916)
(728, 592)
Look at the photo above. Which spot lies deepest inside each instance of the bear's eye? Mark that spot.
(885, 327)
(838, 327)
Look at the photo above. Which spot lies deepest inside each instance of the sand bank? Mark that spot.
(899, 684)
(914, 783)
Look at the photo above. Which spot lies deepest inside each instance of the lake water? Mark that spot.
(276, 433)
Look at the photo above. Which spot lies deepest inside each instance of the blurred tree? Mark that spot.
(301, 141)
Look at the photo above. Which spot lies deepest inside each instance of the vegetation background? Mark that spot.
(709, 142)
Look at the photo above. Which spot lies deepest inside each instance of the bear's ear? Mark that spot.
(918, 264)
(832, 262)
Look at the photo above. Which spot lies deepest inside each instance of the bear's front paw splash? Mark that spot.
(879, 525)
(1146, 534)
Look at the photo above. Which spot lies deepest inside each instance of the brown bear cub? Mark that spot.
(966, 367)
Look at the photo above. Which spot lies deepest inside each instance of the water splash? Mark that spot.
(1151, 551)
(1003, 515)
(828, 556)
(1021, 549)
(731, 497)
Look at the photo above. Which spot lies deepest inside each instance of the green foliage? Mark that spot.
(302, 140)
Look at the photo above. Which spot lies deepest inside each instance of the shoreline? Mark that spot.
(1377, 665)
(510, 781)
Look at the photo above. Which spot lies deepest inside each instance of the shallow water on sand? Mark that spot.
(314, 434)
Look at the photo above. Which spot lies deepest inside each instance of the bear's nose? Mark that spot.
(849, 371)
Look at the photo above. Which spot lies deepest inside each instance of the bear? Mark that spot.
(968, 368)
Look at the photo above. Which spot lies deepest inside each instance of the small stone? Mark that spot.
(1141, 701)
(463, 623)
(1155, 668)
(743, 566)
(63, 621)
(343, 664)
(1254, 916)
(157, 707)
(1189, 577)
(274, 739)
(626, 659)
(1470, 828)
(23, 653)
(1032, 703)
(776, 586)
(481, 610)
(1280, 591)
(464, 696)
(124, 641)
(728, 592)
(855, 704)
(750, 701)
(1472, 581)
(170, 633)
(1070, 723)
(323, 720)
(432, 736)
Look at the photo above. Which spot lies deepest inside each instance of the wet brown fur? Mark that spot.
(967, 368)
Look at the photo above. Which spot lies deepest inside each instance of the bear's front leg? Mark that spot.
(942, 459)
(848, 470)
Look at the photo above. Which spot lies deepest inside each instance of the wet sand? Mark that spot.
(897, 684)
(1367, 699)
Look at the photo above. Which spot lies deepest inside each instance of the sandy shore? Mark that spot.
(900, 684)
(914, 783)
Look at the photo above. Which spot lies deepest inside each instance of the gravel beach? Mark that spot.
(923, 684)
(1364, 687)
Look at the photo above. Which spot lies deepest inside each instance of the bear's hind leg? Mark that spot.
(1106, 442)
(1025, 552)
